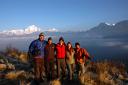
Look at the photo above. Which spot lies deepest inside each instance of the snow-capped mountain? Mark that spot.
(27, 31)
(117, 30)
(103, 30)
(109, 24)
(31, 29)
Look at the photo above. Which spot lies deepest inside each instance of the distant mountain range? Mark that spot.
(103, 30)
(29, 31)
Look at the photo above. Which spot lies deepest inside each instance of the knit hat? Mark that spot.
(61, 38)
(50, 38)
(41, 34)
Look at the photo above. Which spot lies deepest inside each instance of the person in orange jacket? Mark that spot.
(81, 56)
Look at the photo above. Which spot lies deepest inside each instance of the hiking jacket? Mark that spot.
(37, 47)
(60, 51)
(81, 54)
(70, 57)
(49, 52)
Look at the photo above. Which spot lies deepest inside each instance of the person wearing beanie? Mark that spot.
(49, 52)
(60, 55)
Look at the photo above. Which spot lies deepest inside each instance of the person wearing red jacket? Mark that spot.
(60, 55)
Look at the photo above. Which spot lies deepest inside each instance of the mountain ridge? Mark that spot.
(103, 30)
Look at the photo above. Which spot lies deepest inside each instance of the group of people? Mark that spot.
(53, 60)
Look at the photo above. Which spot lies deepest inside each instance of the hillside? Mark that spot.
(103, 30)
(15, 69)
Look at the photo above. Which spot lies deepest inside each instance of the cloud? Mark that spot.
(52, 30)
(30, 29)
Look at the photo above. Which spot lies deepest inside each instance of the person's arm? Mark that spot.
(55, 50)
(65, 51)
(45, 51)
(31, 50)
(54, 47)
(86, 54)
(75, 55)
(67, 55)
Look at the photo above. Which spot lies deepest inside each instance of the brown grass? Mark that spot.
(23, 57)
(7, 67)
(15, 75)
(21, 75)
(11, 75)
(55, 82)
(10, 66)
(12, 52)
(2, 67)
(102, 73)
(15, 53)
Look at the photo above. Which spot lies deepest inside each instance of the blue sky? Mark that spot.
(61, 14)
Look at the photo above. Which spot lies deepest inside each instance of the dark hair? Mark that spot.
(50, 38)
(61, 38)
(77, 44)
(71, 49)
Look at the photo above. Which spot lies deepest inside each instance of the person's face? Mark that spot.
(41, 38)
(69, 45)
(49, 41)
(77, 46)
(61, 42)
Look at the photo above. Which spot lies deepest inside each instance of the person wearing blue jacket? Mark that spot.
(36, 56)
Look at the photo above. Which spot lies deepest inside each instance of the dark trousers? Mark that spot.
(50, 69)
(61, 64)
(39, 69)
(80, 68)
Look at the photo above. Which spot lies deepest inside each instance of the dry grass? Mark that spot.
(10, 66)
(103, 73)
(100, 73)
(2, 67)
(55, 82)
(15, 53)
(11, 75)
(19, 75)
(12, 52)
(23, 57)
(6, 67)
(88, 78)
(15, 75)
